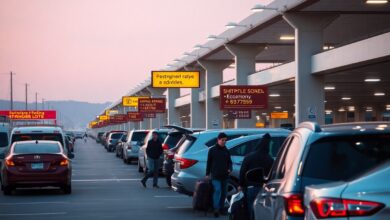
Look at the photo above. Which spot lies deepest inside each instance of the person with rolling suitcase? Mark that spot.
(203, 195)
(219, 167)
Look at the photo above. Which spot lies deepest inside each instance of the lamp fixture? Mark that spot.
(379, 94)
(274, 95)
(260, 8)
(376, 1)
(329, 88)
(189, 54)
(215, 37)
(234, 24)
(198, 46)
(287, 37)
(372, 80)
(346, 98)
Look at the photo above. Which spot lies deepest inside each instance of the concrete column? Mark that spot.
(245, 59)
(156, 93)
(197, 109)
(173, 113)
(214, 76)
(309, 90)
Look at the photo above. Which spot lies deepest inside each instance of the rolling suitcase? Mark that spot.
(202, 198)
(238, 209)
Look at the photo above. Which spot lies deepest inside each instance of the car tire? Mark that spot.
(7, 190)
(232, 186)
(67, 189)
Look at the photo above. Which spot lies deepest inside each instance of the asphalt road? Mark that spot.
(103, 188)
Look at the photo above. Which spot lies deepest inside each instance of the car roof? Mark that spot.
(253, 137)
(240, 130)
(39, 142)
(358, 127)
(35, 129)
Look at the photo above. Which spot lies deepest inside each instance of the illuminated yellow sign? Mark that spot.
(279, 115)
(175, 79)
(111, 112)
(260, 125)
(131, 101)
(103, 117)
(94, 123)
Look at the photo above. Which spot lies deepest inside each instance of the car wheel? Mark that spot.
(140, 169)
(7, 190)
(67, 189)
(232, 188)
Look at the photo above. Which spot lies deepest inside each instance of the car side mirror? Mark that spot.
(70, 155)
(255, 175)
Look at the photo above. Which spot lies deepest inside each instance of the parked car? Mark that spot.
(99, 137)
(312, 155)
(103, 139)
(131, 147)
(50, 133)
(4, 135)
(36, 164)
(191, 158)
(119, 144)
(142, 157)
(112, 139)
(170, 147)
(69, 143)
(365, 197)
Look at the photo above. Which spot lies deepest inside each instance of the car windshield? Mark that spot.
(3, 139)
(116, 135)
(138, 136)
(345, 157)
(40, 148)
(33, 137)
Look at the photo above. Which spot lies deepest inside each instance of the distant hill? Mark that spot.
(73, 114)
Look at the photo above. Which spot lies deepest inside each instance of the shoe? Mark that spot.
(155, 186)
(143, 183)
(216, 214)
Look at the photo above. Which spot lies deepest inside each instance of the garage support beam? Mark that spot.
(309, 89)
(245, 60)
(214, 76)
(158, 121)
(173, 112)
(197, 109)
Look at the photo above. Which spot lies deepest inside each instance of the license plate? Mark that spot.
(37, 166)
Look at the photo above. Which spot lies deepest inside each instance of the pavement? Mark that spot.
(103, 187)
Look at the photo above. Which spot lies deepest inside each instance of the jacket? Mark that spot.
(154, 149)
(218, 163)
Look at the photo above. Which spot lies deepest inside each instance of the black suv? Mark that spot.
(313, 155)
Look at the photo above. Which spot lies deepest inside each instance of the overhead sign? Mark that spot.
(131, 101)
(240, 114)
(134, 116)
(175, 79)
(151, 105)
(260, 125)
(279, 115)
(111, 112)
(149, 115)
(118, 118)
(243, 97)
(103, 117)
(30, 115)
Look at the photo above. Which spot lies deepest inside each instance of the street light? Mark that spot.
(215, 37)
(233, 25)
(260, 8)
(189, 54)
(198, 46)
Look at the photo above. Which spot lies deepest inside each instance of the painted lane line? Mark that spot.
(33, 203)
(179, 207)
(35, 214)
(105, 180)
(170, 196)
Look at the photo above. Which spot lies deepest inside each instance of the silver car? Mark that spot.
(143, 157)
(134, 142)
(191, 158)
(367, 197)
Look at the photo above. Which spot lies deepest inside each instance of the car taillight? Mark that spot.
(64, 162)
(9, 162)
(186, 163)
(333, 207)
(170, 155)
(165, 147)
(294, 204)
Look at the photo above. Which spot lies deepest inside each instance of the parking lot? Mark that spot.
(103, 188)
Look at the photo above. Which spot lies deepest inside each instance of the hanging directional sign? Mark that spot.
(134, 116)
(30, 115)
(175, 79)
(103, 117)
(151, 105)
(240, 114)
(149, 115)
(131, 101)
(243, 97)
(118, 118)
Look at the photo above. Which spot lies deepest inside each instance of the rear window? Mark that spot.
(173, 139)
(342, 158)
(116, 135)
(138, 136)
(33, 137)
(39, 148)
(213, 141)
(3, 139)
(186, 145)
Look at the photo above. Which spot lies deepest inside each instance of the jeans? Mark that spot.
(219, 194)
(153, 165)
(251, 193)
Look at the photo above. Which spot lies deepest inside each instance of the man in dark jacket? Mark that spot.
(219, 167)
(258, 159)
(153, 151)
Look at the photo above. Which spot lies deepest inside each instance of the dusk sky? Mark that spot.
(97, 50)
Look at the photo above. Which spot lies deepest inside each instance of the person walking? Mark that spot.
(258, 159)
(219, 167)
(153, 151)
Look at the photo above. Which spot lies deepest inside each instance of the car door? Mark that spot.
(264, 208)
(238, 153)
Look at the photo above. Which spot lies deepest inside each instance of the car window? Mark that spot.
(116, 135)
(186, 145)
(279, 162)
(244, 148)
(3, 139)
(36, 148)
(213, 141)
(28, 137)
(341, 158)
(173, 139)
(162, 136)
